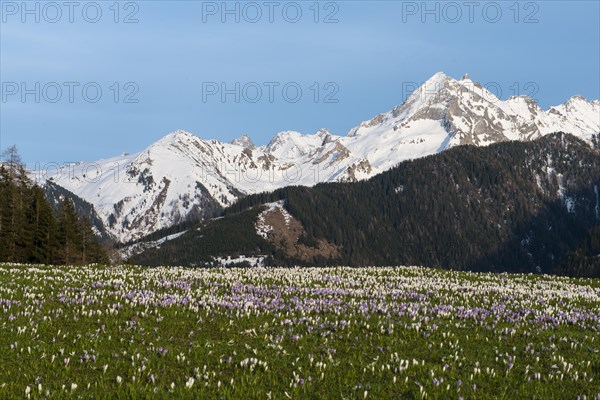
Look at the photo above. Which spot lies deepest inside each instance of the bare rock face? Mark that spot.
(243, 141)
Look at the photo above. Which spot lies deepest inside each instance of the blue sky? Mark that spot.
(177, 50)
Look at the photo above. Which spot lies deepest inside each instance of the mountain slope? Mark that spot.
(584, 261)
(515, 206)
(182, 177)
(55, 195)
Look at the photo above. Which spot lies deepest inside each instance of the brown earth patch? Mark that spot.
(285, 235)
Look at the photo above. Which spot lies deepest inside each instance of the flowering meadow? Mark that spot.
(274, 333)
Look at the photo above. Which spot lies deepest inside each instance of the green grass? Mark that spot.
(136, 333)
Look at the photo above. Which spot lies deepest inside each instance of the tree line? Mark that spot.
(32, 231)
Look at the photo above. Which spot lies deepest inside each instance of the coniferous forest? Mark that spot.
(514, 206)
(32, 230)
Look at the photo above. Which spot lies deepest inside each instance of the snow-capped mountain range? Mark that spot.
(183, 176)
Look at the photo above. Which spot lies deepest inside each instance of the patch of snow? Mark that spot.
(261, 226)
(256, 261)
(570, 204)
(538, 181)
(140, 247)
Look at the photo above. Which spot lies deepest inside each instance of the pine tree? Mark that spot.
(44, 243)
(6, 188)
(22, 229)
(13, 229)
(69, 238)
(9, 216)
(91, 250)
(12, 160)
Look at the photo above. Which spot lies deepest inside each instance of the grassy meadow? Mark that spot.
(130, 332)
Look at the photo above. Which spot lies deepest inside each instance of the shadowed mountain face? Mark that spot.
(183, 177)
(514, 206)
(55, 195)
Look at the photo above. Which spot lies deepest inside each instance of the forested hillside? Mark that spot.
(584, 261)
(31, 231)
(514, 206)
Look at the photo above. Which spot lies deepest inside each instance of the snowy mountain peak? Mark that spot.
(323, 132)
(417, 99)
(326, 136)
(243, 141)
(437, 81)
(175, 136)
(470, 114)
(580, 101)
(286, 144)
(428, 90)
(438, 77)
(182, 176)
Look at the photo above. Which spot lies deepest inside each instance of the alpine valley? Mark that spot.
(507, 165)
